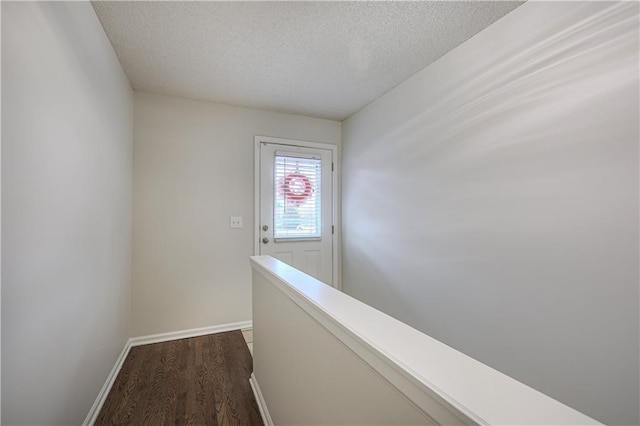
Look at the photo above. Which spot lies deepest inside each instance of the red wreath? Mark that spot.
(294, 194)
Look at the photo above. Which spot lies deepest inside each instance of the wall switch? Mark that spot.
(235, 221)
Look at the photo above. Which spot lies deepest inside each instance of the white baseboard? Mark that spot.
(183, 334)
(102, 395)
(145, 340)
(262, 405)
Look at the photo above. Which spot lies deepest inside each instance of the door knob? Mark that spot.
(265, 240)
(265, 228)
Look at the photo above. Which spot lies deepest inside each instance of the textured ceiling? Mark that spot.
(321, 59)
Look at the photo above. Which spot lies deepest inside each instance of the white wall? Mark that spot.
(193, 168)
(492, 202)
(315, 347)
(67, 133)
(303, 368)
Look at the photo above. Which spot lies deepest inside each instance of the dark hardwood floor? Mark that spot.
(197, 381)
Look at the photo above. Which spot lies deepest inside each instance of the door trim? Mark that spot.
(337, 267)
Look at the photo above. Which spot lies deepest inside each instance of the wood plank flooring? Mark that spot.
(197, 381)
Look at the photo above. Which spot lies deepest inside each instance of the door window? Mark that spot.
(297, 209)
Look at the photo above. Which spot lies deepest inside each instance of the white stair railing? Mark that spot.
(323, 357)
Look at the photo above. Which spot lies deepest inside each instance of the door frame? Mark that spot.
(335, 199)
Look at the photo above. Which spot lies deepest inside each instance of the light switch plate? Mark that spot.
(235, 221)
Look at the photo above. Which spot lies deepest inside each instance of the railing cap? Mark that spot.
(471, 390)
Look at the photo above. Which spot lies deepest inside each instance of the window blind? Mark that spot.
(297, 197)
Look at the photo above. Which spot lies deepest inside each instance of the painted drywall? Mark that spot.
(67, 135)
(491, 201)
(302, 368)
(193, 169)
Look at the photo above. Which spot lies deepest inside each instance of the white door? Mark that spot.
(296, 211)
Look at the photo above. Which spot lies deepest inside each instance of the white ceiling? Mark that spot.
(321, 59)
